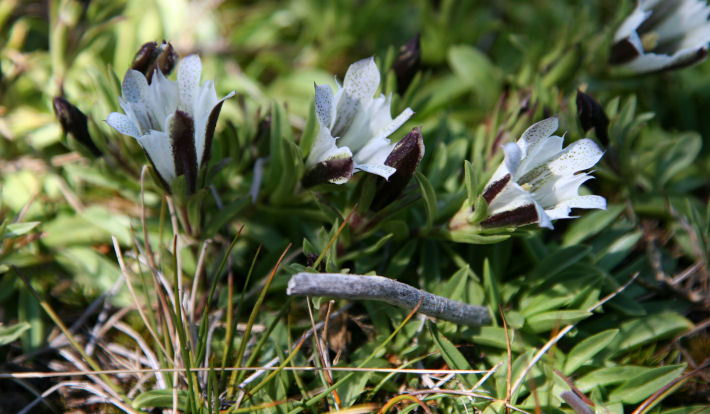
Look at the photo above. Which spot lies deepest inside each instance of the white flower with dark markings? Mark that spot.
(354, 126)
(662, 34)
(539, 180)
(174, 122)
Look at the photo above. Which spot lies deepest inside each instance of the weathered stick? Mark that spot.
(344, 286)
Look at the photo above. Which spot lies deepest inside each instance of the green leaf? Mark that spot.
(470, 179)
(590, 224)
(642, 386)
(494, 336)
(480, 210)
(401, 259)
(558, 261)
(490, 284)
(225, 215)
(454, 288)
(585, 350)
(547, 321)
(475, 238)
(604, 377)
(648, 329)
(475, 70)
(451, 355)
(619, 250)
(429, 197)
(18, 229)
(682, 154)
(13, 332)
(159, 399)
(310, 132)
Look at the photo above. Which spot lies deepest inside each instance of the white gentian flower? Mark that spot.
(539, 180)
(174, 122)
(354, 126)
(662, 34)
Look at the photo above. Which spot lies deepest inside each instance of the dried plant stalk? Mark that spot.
(358, 287)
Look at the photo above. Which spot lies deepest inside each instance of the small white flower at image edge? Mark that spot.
(662, 35)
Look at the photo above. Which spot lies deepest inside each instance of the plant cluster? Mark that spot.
(374, 206)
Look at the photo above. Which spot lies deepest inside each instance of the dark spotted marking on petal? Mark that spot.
(404, 158)
(329, 170)
(623, 51)
(182, 135)
(494, 189)
(517, 217)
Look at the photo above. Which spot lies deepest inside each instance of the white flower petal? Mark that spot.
(562, 210)
(382, 170)
(188, 79)
(536, 132)
(649, 62)
(163, 99)
(323, 148)
(539, 154)
(361, 82)
(394, 125)
(159, 148)
(324, 105)
(544, 220)
(123, 124)
(362, 79)
(134, 87)
(631, 23)
(513, 156)
(578, 156)
(375, 152)
(557, 190)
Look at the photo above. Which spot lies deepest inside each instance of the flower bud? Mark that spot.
(406, 65)
(152, 56)
(405, 158)
(591, 115)
(74, 122)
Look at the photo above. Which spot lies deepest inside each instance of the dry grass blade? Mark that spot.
(394, 400)
(57, 321)
(84, 386)
(139, 307)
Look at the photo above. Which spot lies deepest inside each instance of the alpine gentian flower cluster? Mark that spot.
(539, 181)
(174, 122)
(354, 126)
